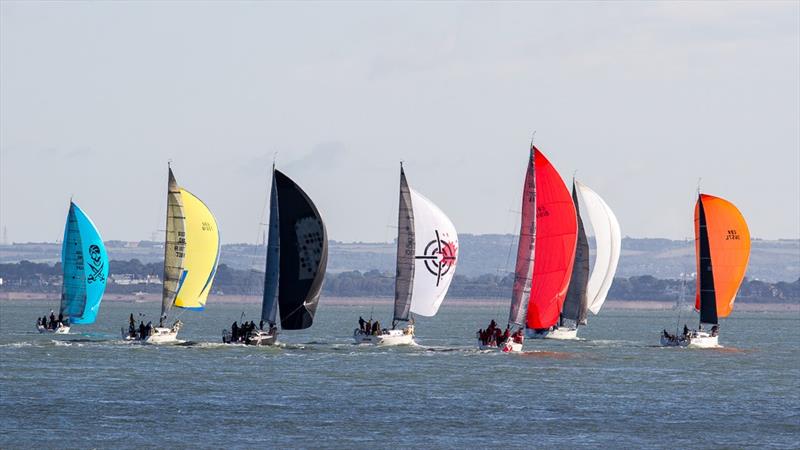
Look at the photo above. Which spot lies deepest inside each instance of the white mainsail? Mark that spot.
(436, 250)
(608, 241)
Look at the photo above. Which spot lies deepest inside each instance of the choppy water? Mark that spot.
(613, 389)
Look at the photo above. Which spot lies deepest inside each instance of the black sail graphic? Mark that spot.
(708, 297)
(303, 255)
(576, 302)
(404, 278)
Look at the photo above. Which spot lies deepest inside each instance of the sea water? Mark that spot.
(614, 388)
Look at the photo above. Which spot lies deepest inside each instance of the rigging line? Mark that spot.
(254, 254)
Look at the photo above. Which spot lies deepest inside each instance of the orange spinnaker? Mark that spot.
(729, 245)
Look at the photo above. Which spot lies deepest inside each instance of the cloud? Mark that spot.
(324, 155)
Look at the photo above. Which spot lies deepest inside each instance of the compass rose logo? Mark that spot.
(439, 257)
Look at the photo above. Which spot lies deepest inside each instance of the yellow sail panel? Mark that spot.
(201, 254)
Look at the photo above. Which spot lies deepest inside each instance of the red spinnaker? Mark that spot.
(556, 235)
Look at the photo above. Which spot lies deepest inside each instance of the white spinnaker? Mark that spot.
(435, 257)
(608, 241)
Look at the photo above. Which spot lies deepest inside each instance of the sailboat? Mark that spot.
(588, 292)
(553, 253)
(84, 263)
(545, 255)
(191, 254)
(297, 256)
(427, 252)
(722, 252)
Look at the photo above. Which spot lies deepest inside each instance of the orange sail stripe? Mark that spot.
(729, 244)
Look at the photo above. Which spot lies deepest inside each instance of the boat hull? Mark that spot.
(62, 329)
(158, 335)
(162, 335)
(561, 333)
(258, 337)
(695, 339)
(507, 347)
(387, 338)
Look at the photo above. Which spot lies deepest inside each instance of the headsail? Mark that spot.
(576, 302)
(436, 254)
(523, 270)
(269, 305)
(608, 243)
(85, 268)
(202, 253)
(303, 255)
(191, 250)
(556, 234)
(406, 247)
(722, 246)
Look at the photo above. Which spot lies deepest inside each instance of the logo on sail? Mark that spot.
(96, 264)
(439, 257)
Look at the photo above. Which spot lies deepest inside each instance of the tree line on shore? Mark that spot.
(133, 276)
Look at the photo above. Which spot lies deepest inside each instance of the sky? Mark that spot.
(638, 100)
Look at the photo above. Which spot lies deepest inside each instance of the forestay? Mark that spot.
(608, 243)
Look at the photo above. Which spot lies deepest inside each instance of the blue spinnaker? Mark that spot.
(85, 266)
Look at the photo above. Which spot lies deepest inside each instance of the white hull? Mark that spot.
(158, 335)
(62, 329)
(695, 339)
(389, 338)
(561, 333)
(507, 347)
(162, 335)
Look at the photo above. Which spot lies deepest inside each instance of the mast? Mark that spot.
(174, 245)
(406, 245)
(523, 269)
(269, 305)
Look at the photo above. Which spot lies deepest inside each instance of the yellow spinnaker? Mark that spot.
(201, 254)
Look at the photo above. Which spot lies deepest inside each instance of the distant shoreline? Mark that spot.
(628, 305)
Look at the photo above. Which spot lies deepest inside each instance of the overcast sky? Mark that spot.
(641, 99)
